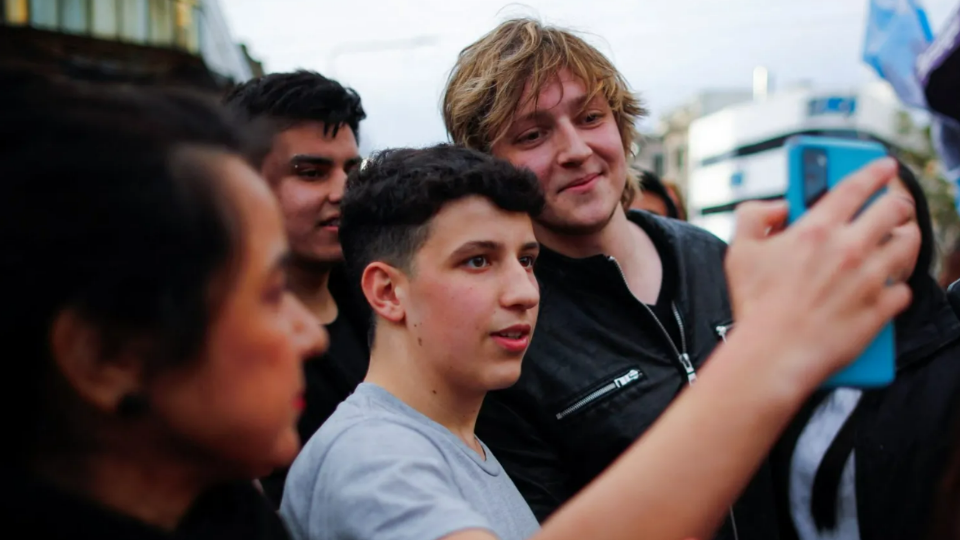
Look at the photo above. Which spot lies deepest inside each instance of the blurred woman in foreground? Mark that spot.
(154, 354)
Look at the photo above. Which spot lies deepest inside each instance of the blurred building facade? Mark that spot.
(666, 150)
(179, 42)
(734, 151)
(738, 153)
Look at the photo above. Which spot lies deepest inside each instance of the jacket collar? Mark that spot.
(597, 273)
(598, 267)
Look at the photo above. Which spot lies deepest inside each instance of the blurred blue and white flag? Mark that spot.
(898, 34)
(938, 69)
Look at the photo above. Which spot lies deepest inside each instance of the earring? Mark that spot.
(132, 405)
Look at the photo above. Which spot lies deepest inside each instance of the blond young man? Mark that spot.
(632, 304)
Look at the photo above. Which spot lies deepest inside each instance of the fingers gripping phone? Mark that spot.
(816, 165)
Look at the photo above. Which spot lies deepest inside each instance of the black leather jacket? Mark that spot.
(601, 369)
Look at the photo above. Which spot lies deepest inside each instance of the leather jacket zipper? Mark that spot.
(681, 353)
(722, 330)
(683, 357)
(627, 378)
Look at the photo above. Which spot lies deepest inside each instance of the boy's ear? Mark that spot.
(383, 285)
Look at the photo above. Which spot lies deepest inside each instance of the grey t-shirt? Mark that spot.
(379, 470)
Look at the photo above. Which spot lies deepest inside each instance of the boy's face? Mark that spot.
(574, 148)
(472, 298)
(307, 170)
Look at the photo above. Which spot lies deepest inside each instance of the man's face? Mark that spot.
(574, 148)
(307, 170)
(472, 300)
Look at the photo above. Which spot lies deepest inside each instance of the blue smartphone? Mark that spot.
(817, 164)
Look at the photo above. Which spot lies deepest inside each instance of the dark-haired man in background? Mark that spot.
(315, 127)
(654, 197)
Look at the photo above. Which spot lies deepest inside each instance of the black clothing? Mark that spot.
(901, 435)
(333, 376)
(32, 508)
(663, 308)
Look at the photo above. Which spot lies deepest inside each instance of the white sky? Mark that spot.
(668, 49)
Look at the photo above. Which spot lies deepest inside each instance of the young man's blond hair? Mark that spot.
(486, 85)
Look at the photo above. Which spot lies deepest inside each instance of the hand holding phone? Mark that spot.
(816, 165)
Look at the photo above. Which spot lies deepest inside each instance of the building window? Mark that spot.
(133, 20)
(658, 164)
(15, 12)
(43, 14)
(104, 18)
(161, 22)
(681, 158)
(187, 19)
(75, 16)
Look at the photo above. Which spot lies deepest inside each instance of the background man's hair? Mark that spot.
(677, 195)
(487, 83)
(389, 202)
(928, 242)
(287, 99)
(651, 183)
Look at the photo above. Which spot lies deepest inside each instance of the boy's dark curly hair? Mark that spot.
(389, 202)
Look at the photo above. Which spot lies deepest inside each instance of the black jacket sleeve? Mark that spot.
(526, 454)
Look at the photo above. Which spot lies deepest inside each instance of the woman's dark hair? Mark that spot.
(109, 207)
(650, 183)
(945, 524)
(928, 242)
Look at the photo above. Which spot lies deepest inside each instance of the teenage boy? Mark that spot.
(315, 126)
(633, 304)
(443, 242)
